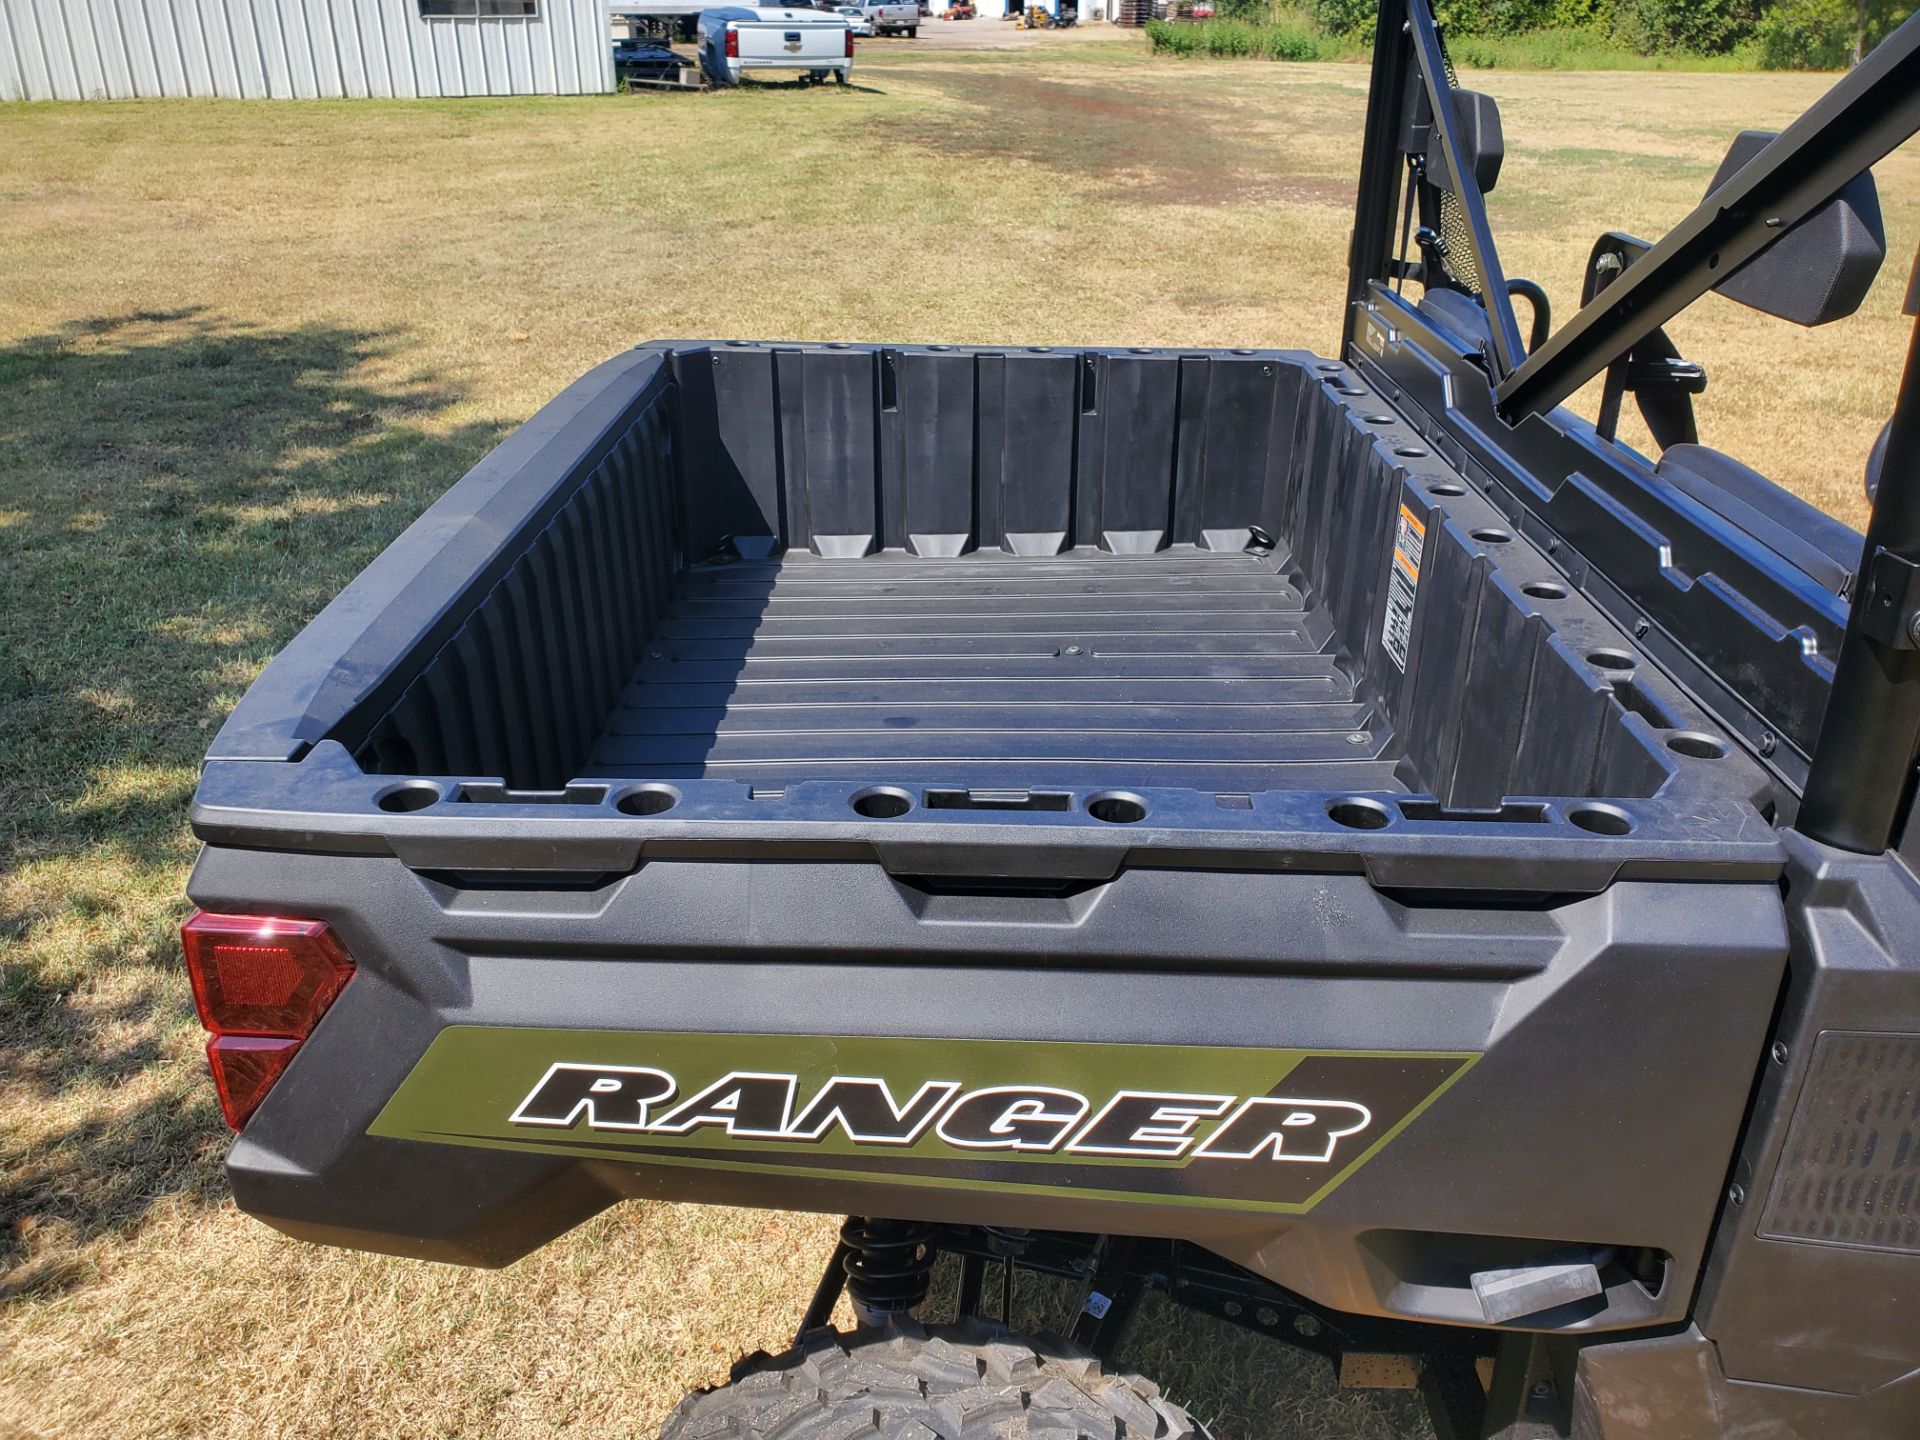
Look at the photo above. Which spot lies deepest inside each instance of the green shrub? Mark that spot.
(1293, 36)
(1345, 17)
(1698, 27)
(1588, 48)
(1822, 34)
(1289, 35)
(1473, 17)
(1804, 36)
(1170, 39)
(1559, 34)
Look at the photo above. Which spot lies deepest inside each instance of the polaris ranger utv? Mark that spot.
(1348, 843)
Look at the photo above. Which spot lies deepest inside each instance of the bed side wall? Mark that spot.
(1487, 697)
(498, 626)
(845, 450)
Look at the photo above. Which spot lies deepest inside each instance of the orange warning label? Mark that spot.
(1403, 584)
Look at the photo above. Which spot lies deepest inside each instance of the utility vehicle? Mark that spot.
(1346, 842)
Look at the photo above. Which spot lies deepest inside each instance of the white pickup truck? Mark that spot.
(892, 16)
(736, 39)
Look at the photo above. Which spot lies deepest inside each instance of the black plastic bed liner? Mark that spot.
(1183, 667)
(778, 596)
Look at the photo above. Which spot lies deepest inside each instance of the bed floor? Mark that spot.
(1181, 668)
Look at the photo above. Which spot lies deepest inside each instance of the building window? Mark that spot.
(484, 9)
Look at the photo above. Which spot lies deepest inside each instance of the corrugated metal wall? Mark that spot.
(295, 49)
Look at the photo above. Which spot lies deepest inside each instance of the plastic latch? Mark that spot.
(1890, 601)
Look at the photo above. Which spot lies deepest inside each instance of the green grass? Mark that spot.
(243, 345)
(1288, 36)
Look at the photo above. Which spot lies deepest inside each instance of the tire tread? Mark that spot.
(971, 1381)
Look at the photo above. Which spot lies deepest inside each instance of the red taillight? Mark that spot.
(261, 984)
(733, 44)
(244, 1069)
(849, 42)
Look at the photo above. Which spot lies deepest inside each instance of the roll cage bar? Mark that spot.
(1824, 688)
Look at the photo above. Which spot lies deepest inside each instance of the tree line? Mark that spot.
(1775, 34)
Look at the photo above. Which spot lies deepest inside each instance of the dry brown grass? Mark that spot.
(241, 345)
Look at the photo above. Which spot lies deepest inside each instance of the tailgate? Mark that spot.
(1355, 1085)
(791, 41)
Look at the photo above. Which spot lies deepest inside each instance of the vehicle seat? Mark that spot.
(1462, 315)
(1819, 546)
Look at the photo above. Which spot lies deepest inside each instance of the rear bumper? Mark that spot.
(1616, 1039)
(841, 63)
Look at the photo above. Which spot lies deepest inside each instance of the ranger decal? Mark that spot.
(1182, 1125)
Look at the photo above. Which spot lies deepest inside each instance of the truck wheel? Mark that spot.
(913, 32)
(944, 1382)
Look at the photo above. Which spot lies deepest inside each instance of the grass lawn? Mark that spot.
(242, 345)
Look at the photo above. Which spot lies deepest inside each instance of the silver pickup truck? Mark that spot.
(895, 17)
(735, 39)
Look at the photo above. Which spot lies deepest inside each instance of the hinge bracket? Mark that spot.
(1890, 601)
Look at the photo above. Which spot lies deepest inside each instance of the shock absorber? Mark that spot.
(887, 1265)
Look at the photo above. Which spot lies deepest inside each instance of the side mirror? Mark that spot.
(1477, 122)
(1821, 269)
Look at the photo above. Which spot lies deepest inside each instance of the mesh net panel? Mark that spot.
(1458, 261)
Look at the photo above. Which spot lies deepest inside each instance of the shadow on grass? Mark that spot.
(178, 494)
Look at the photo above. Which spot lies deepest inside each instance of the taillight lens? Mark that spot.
(733, 44)
(849, 42)
(245, 1068)
(261, 983)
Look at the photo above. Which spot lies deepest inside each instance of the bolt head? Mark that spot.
(1736, 1194)
(1913, 627)
(1779, 1052)
(1307, 1325)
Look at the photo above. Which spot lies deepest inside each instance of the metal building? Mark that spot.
(301, 49)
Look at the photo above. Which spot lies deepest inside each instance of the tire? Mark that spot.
(945, 1382)
(913, 32)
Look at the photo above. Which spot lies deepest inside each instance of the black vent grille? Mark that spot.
(1850, 1171)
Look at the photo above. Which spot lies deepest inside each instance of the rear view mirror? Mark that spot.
(1821, 269)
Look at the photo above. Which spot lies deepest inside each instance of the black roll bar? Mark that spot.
(1408, 43)
(1874, 109)
(1860, 784)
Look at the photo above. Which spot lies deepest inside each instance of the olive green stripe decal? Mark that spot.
(1212, 1126)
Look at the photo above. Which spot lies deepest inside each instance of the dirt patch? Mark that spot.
(1156, 151)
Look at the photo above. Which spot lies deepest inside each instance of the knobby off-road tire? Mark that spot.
(943, 1382)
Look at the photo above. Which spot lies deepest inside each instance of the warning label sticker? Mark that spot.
(1403, 584)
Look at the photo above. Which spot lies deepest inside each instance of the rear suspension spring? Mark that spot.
(887, 1265)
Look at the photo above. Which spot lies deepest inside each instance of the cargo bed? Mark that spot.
(1223, 599)
(1177, 668)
